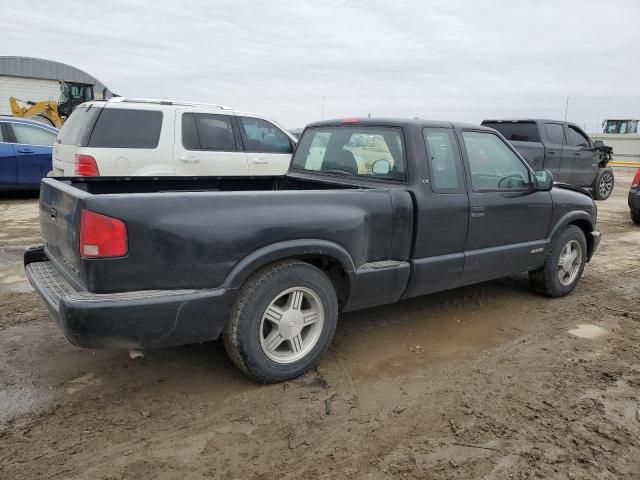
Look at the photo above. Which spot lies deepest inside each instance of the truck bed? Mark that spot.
(192, 233)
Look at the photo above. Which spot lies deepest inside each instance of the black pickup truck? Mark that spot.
(371, 212)
(563, 149)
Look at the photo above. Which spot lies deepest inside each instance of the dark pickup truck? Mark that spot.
(371, 212)
(563, 149)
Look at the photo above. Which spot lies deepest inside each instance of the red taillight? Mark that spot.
(636, 180)
(102, 236)
(350, 121)
(86, 166)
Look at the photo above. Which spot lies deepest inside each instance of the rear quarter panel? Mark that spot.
(194, 239)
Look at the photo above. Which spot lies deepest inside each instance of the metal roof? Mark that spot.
(39, 68)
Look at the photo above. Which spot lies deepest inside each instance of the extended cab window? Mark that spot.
(577, 138)
(444, 160)
(204, 131)
(369, 152)
(262, 136)
(122, 128)
(493, 165)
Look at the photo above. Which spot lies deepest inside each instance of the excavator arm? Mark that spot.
(44, 109)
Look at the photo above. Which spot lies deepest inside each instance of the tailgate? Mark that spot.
(60, 210)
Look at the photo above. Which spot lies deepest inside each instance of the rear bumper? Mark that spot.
(142, 319)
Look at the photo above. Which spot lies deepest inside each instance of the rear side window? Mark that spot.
(444, 160)
(203, 131)
(78, 126)
(516, 131)
(555, 133)
(263, 136)
(32, 135)
(121, 128)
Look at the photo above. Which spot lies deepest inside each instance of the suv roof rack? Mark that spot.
(158, 101)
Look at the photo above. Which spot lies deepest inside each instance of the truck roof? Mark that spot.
(393, 122)
(515, 120)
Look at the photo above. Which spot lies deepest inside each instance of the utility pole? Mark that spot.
(322, 112)
(566, 110)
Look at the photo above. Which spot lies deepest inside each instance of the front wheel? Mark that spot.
(282, 321)
(563, 268)
(603, 184)
(635, 216)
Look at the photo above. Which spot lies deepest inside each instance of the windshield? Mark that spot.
(368, 152)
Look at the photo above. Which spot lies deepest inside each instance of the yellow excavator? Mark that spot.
(55, 113)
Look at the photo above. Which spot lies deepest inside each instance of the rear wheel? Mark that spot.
(563, 267)
(282, 321)
(603, 184)
(635, 216)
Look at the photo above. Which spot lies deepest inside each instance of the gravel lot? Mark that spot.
(489, 381)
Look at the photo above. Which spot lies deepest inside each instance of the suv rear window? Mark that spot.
(77, 128)
(516, 131)
(122, 128)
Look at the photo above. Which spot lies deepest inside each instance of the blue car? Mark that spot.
(25, 153)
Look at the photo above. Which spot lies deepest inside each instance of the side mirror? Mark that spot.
(598, 144)
(544, 180)
(381, 167)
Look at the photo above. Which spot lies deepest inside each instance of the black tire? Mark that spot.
(635, 216)
(545, 279)
(603, 184)
(242, 335)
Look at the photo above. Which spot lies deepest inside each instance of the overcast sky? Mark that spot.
(442, 60)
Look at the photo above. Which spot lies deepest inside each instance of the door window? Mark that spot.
(204, 131)
(493, 165)
(30, 135)
(577, 138)
(264, 137)
(444, 160)
(555, 133)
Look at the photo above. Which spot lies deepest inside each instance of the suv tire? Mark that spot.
(603, 184)
(563, 267)
(635, 216)
(282, 321)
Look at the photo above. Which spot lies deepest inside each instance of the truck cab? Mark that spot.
(561, 148)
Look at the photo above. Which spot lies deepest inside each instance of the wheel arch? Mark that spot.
(582, 220)
(333, 259)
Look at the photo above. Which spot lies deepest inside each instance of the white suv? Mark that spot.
(136, 137)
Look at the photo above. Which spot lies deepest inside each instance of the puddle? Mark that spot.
(586, 330)
(419, 334)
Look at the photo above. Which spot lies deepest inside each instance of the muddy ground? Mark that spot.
(489, 381)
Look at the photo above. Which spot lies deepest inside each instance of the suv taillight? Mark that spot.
(102, 236)
(636, 180)
(86, 166)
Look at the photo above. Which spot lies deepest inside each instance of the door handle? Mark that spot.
(477, 211)
(551, 152)
(260, 161)
(25, 150)
(189, 159)
(577, 154)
